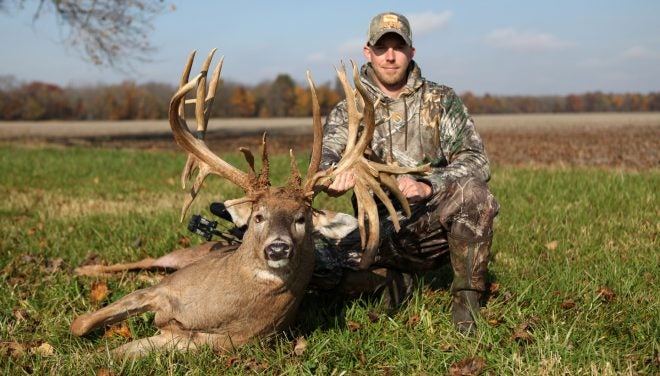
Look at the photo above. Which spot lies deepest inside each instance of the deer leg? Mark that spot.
(132, 304)
(162, 342)
(98, 270)
(173, 260)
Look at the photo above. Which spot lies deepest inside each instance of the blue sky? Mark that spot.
(505, 47)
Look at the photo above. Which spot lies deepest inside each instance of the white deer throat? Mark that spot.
(276, 264)
(266, 275)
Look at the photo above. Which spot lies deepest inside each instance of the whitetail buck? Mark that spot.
(223, 299)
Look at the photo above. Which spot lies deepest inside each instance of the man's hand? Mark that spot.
(414, 190)
(342, 183)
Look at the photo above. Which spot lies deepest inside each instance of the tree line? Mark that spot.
(282, 97)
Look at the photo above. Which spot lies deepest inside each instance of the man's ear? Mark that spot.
(367, 52)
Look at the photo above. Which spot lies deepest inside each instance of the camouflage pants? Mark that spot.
(464, 210)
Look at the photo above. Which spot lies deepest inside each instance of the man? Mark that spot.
(417, 122)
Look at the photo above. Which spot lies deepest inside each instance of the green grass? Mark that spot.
(563, 237)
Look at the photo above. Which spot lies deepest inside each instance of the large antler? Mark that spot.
(369, 175)
(200, 157)
(205, 161)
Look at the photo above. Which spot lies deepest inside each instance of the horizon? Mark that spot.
(505, 48)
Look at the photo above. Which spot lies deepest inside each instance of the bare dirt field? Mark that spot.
(609, 140)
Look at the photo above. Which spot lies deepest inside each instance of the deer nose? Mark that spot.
(278, 250)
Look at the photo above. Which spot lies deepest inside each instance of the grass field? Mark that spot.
(575, 276)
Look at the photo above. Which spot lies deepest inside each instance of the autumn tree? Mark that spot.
(303, 102)
(281, 97)
(328, 98)
(242, 101)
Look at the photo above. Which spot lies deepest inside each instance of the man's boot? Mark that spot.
(469, 260)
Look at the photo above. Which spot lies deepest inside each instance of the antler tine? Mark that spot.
(315, 159)
(200, 98)
(184, 80)
(354, 117)
(213, 87)
(263, 180)
(295, 180)
(200, 156)
(367, 112)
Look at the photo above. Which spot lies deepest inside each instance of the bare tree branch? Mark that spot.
(106, 32)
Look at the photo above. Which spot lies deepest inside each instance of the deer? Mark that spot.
(226, 297)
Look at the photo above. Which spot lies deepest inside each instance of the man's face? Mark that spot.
(390, 57)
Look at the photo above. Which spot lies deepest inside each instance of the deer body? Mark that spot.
(227, 298)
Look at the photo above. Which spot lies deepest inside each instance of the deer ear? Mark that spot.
(240, 211)
(333, 225)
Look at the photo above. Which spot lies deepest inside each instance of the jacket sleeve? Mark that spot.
(335, 133)
(460, 144)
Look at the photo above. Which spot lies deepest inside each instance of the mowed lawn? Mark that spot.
(574, 278)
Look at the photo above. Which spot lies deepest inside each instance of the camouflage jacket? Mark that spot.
(428, 123)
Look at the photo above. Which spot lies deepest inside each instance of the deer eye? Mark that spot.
(300, 220)
(258, 218)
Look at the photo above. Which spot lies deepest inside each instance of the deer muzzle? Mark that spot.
(278, 253)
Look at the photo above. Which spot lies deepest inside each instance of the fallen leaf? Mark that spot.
(104, 372)
(522, 332)
(231, 361)
(446, 347)
(93, 258)
(299, 346)
(20, 314)
(99, 292)
(413, 321)
(568, 303)
(12, 348)
(362, 358)
(468, 367)
(494, 287)
(606, 294)
(373, 316)
(45, 349)
(521, 336)
(353, 326)
(507, 297)
(121, 330)
(552, 245)
(53, 265)
(184, 241)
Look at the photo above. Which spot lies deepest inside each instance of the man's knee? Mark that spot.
(473, 207)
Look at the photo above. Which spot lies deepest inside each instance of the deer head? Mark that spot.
(279, 218)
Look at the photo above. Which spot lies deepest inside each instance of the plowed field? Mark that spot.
(618, 140)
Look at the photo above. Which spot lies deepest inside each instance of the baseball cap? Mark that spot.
(389, 22)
